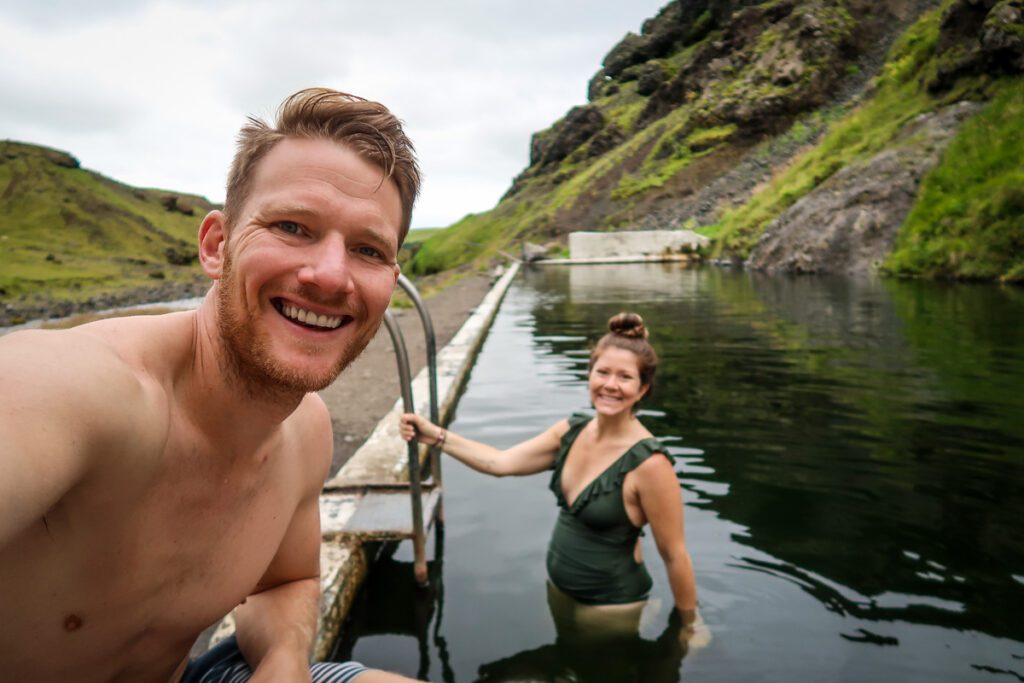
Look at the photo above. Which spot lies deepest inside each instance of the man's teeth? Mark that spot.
(310, 318)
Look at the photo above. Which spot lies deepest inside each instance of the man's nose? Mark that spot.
(328, 266)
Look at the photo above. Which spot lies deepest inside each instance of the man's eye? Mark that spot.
(290, 227)
(372, 252)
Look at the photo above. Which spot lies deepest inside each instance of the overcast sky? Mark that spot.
(152, 93)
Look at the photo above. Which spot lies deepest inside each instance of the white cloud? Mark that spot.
(152, 93)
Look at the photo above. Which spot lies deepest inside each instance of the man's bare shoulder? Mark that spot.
(313, 438)
(71, 410)
(61, 365)
(99, 381)
(145, 341)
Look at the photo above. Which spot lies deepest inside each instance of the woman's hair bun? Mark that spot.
(628, 325)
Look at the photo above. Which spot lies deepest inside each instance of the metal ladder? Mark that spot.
(420, 527)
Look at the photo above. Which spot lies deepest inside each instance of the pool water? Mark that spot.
(851, 455)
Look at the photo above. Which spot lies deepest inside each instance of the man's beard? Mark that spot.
(247, 357)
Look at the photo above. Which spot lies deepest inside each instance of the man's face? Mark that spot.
(309, 267)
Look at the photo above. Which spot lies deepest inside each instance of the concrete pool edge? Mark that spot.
(344, 560)
(604, 260)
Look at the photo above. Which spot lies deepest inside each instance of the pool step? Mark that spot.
(375, 513)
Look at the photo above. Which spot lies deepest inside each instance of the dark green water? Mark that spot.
(852, 462)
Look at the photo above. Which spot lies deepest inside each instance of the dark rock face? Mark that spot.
(771, 64)
(607, 138)
(580, 126)
(62, 159)
(849, 223)
(977, 37)
(678, 24)
(559, 141)
(649, 77)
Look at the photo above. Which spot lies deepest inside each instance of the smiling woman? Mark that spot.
(610, 478)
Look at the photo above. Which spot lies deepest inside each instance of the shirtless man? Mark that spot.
(158, 472)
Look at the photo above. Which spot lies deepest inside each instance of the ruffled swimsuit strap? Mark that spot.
(612, 478)
(577, 421)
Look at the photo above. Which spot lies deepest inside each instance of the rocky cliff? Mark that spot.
(797, 134)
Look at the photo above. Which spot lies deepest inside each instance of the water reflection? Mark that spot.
(869, 432)
(392, 604)
(583, 656)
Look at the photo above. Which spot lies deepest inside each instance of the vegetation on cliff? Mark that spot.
(71, 235)
(722, 115)
(969, 218)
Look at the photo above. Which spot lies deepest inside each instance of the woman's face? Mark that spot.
(615, 382)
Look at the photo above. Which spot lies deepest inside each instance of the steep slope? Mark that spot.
(70, 238)
(721, 115)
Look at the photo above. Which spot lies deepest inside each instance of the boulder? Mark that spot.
(175, 203)
(533, 252)
(979, 37)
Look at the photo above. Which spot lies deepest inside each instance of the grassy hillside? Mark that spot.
(70, 234)
(721, 115)
(969, 217)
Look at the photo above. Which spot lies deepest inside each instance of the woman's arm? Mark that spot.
(529, 457)
(662, 503)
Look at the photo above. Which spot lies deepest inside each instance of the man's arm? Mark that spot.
(62, 402)
(276, 625)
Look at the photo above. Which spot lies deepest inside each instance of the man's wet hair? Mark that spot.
(366, 127)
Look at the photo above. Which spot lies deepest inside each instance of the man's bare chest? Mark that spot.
(115, 568)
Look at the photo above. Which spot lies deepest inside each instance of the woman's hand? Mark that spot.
(693, 632)
(412, 426)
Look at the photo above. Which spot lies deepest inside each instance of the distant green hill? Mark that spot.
(800, 135)
(69, 235)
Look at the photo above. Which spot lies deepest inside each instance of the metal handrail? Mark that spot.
(405, 380)
(430, 341)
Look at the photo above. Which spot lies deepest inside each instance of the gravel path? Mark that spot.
(368, 389)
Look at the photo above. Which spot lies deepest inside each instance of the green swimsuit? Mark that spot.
(590, 556)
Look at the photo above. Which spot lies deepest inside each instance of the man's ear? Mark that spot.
(213, 237)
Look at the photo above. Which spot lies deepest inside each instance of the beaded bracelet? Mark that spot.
(440, 439)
